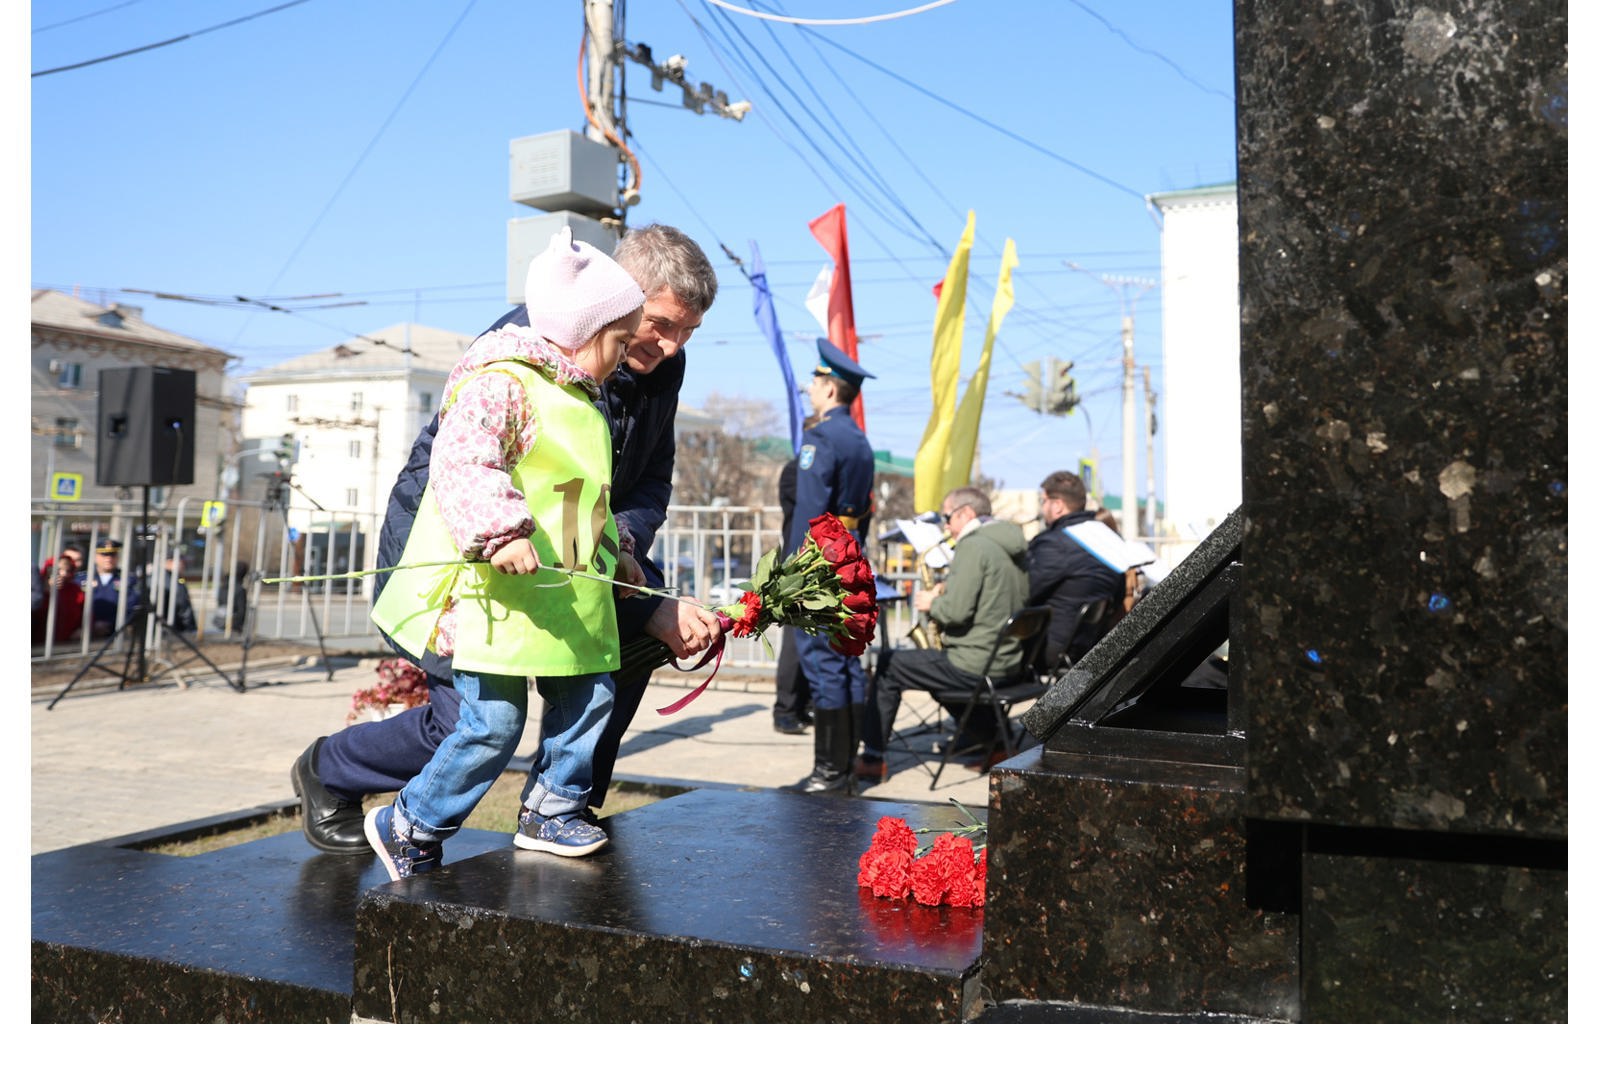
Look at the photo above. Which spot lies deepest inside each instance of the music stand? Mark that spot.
(136, 625)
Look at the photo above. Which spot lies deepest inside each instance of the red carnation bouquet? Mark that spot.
(947, 871)
(826, 587)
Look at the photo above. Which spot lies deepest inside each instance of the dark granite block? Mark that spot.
(1405, 940)
(713, 906)
(1135, 672)
(1403, 284)
(259, 932)
(1121, 884)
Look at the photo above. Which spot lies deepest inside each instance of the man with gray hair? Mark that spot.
(986, 585)
(639, 402)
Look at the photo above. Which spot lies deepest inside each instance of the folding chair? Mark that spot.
(1030, 626)
(1093, 617)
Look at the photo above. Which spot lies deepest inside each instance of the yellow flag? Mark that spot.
(964, 433)
(948, 322)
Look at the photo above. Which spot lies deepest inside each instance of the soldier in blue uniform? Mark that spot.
(834, 476)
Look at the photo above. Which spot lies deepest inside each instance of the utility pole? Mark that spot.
(587, 182)
(1149, 456)
(1122, 285)
(606, 88)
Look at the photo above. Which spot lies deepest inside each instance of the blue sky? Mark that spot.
(360, 148)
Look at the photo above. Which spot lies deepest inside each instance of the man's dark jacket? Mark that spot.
(640, 410)
(1065, 576)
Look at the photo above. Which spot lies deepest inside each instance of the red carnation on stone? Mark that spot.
(886, 865)
(950, 871)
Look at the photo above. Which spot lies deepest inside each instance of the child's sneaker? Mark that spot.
(573, 834)
(400, 856)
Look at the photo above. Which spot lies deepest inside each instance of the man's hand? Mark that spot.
(629, 571)
(684, 628)
(925, 597)
(517, 557)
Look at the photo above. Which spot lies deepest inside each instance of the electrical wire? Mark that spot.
(173, 40)
(865, 195)
(859, 21)
(1137, 47)
(858, 57)
(365, 152)
(79, 18)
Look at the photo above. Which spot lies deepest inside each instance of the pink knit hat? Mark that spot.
(574, 289)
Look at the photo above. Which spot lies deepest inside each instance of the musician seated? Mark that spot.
(986, 585)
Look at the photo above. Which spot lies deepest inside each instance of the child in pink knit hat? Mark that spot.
(518, 494)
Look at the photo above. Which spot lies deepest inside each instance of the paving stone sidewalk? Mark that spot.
(104, 762)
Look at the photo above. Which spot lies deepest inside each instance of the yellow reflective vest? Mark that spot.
(543, 624)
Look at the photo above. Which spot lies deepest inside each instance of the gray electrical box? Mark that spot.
(564, 171)
(527, 237)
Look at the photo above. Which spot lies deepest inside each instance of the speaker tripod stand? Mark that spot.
(135, 668)
(278, 488)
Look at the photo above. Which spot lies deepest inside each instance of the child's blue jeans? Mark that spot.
(494, 709)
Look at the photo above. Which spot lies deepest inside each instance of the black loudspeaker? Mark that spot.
(146, 427)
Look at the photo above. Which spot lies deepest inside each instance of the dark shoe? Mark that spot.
(330, 822)
(574, 834)
(819, 782)
(871, 769)
(787, 723)
(400, 857)
(804, 714)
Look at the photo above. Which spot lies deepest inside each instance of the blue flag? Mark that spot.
(767, 319)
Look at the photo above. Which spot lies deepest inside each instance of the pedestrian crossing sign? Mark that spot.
(66, 486)
(212, 514)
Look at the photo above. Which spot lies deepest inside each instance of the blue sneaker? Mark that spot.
(401, 857)
(573, 834)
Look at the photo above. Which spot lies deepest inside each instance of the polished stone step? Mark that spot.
(712, 905)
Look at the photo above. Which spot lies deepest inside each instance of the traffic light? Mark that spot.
(1063, 396)
(1033, 399)
(287, 452)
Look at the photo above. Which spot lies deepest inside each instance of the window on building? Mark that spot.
(425, 402)
(356, 400)
(350, 499)
(67, 433)
(293, 402)
(70, 376)
(355, 449)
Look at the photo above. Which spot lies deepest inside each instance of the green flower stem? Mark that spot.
(646, 590)
(973, 828)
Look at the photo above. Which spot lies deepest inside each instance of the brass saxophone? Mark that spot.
(926, 633)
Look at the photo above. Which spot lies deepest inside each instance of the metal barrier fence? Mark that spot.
(218, 557)
(703, 552)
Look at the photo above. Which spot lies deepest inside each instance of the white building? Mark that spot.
(1200, 388)
(354, 410)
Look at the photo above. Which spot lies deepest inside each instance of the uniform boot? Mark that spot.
(832, 751)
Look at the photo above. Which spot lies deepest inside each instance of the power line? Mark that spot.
(858, 57)
(1137, 47)
(365, 152)
(79, 18)
(858, 21)
(173, 40)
